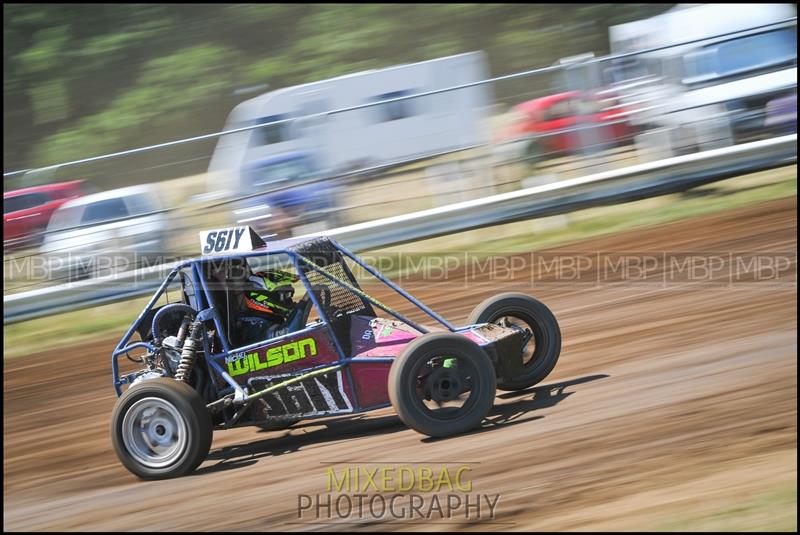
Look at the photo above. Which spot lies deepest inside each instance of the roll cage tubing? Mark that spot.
(209, 311)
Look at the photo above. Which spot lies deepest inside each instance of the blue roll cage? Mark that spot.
(209, 311)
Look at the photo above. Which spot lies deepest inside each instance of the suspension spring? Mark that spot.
(189, 352)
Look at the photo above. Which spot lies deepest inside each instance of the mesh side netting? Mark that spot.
(322, 253)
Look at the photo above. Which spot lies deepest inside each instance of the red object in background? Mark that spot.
(27, 211)
(563, 112)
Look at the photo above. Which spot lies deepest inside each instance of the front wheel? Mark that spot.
(542, 335)
(160, 429)
(442, 384)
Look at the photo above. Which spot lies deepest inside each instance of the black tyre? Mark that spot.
(543, 336)
(160, 429)
(442, 384)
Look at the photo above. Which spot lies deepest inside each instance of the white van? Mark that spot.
(716, 89)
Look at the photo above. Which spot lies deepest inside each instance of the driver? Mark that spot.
(266, 304)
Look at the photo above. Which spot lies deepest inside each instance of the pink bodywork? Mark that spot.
(378, 337)
(370, 338)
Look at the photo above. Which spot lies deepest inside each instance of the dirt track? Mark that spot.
(667, 401)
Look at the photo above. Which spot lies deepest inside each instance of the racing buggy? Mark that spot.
(202, 367)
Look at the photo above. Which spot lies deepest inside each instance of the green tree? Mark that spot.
(81, 80)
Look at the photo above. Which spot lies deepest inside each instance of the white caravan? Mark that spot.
(251, 160)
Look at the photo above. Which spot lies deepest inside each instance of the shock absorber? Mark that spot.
(189, 352)
(183, 331)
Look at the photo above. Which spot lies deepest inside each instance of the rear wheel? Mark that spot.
(160, 429)
(542, 336)
(442, 384)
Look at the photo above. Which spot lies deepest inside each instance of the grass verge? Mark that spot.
(771, 511)
(559, 230)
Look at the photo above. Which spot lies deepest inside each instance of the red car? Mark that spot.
(27, 211)
(557, 118)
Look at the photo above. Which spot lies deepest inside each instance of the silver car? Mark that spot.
(105, 233)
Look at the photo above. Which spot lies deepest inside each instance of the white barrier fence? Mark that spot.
(630, 183)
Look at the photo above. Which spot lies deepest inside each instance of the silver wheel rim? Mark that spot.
(154, 432)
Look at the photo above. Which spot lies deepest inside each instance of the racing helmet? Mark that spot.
(271, 294)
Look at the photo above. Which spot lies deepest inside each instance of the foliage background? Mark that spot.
(85, 79)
